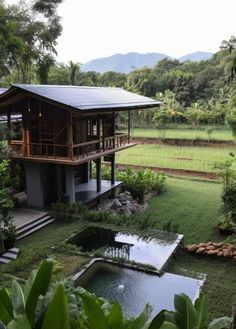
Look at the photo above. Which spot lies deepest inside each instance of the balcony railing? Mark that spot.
(70, 152)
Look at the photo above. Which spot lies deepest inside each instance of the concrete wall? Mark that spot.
(34, 185)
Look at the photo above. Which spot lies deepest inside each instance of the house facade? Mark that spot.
(63, 130)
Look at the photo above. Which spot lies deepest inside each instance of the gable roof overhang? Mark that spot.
(82, 100)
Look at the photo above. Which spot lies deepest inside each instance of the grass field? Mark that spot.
(183, 133)
(175, 157)
(193, 205)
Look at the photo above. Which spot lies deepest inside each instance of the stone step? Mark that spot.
(9, 255)
(4, 260)
(14, 250)
(35, 228)
(32, 224)
(26, 224)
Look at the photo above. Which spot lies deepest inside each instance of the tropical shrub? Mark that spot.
(68, 213)
(141, 181)
(229, 199)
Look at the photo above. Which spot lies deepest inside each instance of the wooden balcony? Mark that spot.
(69, 154)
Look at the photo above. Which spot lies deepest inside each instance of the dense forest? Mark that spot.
(190, 91)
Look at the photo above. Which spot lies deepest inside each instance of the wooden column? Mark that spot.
(99, 133)
(9, 126)
(99, 174)
(113, 169)
(129, 125)
(103, 134)
(70, 138)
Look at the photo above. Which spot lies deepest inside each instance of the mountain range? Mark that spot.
(124, 63)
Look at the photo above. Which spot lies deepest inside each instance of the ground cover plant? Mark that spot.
(174, 157)
(182, 132)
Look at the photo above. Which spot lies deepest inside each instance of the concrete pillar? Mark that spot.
(112, 169)
(70, 183)
(99, 174)
(34, 185)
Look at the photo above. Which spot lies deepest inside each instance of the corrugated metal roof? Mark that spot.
(89, 98)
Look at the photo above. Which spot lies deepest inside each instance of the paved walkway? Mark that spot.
(23, 215)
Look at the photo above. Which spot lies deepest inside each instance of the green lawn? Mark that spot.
(179, 157)
(183, 133)
(193, 205)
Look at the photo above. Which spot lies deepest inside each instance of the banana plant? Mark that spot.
(188, 316)
(20, 305)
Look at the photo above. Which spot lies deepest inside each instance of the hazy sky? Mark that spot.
(100, 28)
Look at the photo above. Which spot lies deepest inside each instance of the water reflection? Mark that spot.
(130, 247)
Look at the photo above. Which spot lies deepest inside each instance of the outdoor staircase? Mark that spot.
(33, 225)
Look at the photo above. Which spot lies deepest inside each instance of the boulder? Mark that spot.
(212, 252)
(192, 248)
(227, 253)
(210, 248)
(219, 253)
(218, 244)
(200, 250)
(116, 204)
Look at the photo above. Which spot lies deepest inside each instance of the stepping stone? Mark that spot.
(4, 260)
(9, 255)
(14, 250)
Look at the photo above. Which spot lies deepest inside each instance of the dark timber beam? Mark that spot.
(113, 169)
(129, 125)
(99, 174)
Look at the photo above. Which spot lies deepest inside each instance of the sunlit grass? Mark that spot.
(183, 133)
(174, 157)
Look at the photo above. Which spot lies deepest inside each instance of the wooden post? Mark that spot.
(129, 125)
(103, 134)
(70, 138)
(99, 133)
(99, 174)
(113, 169)
(9, 126)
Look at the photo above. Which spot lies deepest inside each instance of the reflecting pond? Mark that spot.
(132, 247)
(134, 288)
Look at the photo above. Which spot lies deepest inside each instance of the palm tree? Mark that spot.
(74, 69)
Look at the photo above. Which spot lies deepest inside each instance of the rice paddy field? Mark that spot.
(175, 157)
(184, 133)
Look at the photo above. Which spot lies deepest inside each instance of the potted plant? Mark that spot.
(9, 236)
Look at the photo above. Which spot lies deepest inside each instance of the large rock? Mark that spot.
(116, 204)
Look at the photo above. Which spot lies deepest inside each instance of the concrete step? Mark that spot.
(32, 224)
(34, 229)
(4, 260)
(14, 250)
(36, 219)
(9, 255)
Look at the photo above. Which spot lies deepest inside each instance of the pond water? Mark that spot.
(132, 247)
(134, 289)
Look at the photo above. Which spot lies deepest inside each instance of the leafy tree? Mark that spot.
(35, 29)
(161, 119)
(194, 114)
